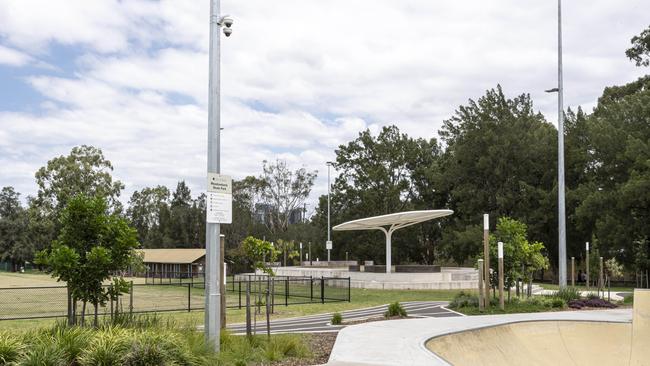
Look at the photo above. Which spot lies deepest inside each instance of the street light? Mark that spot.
(213, 230)
(328, 245)
(560, 154)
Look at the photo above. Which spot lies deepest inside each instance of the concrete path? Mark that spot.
(402, 342)
(321, 322)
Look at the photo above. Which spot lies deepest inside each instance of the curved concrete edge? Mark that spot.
(402, 342)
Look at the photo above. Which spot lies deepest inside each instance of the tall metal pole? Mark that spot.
(328, 209)
(560, 156)
(212, 248)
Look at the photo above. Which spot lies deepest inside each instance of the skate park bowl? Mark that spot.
(552, 342)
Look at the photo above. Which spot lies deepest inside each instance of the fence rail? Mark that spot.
(51, 301)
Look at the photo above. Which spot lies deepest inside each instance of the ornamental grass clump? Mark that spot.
(10, 349)
(567, 294)
(395, 309)
(148, 341)
(464, 299)
(337, 319)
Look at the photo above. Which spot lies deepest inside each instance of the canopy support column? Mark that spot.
(389, 235)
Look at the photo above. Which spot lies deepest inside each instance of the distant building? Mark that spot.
(174, 263)
(263, 210)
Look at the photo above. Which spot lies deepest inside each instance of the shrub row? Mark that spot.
(591, 303)
(118, 345)
(467, 300)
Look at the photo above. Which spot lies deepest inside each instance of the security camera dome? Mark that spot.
(227, 32)
(227, 22)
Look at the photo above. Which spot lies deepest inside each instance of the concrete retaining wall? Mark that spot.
(464, 278)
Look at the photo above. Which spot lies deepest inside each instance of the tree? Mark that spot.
(148, 212)
(283, 192)
(501, 159)
(84, 171)
(615, 195)
(288, 250)
(15, 244)
(521, 258)
(92, 246)
(259, 252)
(383, 174)
(640, 50)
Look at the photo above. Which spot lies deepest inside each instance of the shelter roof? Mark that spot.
(395, 220)
(176, 256)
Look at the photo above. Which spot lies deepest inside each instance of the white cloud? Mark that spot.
(12, 57)
(299, 77)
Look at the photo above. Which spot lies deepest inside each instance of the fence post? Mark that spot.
(349, 290)
(322, 290)
(131, 298)
(272, 295)
(239, 282)
(111, 300)
(286, 291)
(248, 308)
(189, 296)
(311, 289)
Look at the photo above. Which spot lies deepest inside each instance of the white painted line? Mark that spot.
(446, 308)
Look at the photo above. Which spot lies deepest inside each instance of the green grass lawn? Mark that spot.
(361, 298)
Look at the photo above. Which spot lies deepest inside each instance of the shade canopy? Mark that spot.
(400, 219)
(391, 222)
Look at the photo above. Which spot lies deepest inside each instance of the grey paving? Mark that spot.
(401, 342)
(321, 322)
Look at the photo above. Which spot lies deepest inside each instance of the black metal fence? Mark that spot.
(51, 301)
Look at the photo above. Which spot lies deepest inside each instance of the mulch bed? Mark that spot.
(321, 346)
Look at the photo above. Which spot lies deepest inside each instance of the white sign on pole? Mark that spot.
(219, 199)
(500, 249)
(328, 245)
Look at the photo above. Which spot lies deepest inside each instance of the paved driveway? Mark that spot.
(321, 322)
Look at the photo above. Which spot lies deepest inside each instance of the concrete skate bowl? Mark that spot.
(553, 342)
(538, 343)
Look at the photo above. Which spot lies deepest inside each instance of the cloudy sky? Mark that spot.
(299, 77)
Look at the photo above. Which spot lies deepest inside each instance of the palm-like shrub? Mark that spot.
(395, 309)
(337, 319)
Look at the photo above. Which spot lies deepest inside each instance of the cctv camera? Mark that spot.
(227, 32)
(227, 22)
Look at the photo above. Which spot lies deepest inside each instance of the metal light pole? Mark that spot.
(560, 152)
(300, 263)
(213, 278)
(329, 239)
(560, 155)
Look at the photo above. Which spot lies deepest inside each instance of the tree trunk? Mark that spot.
(83, 314)
(95, 320)
(74, 310)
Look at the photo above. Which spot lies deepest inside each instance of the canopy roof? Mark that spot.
(394, 221)
(175, 256)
